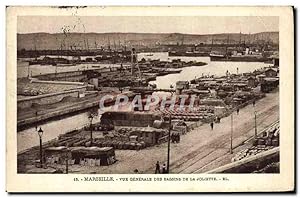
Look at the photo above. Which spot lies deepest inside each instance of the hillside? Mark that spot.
(42, 41)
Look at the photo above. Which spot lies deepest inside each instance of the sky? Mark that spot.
(143, 24)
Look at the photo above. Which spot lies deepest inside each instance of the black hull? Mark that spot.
(239, 59)
(188, 54)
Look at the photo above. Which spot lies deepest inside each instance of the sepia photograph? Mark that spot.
(154, 94)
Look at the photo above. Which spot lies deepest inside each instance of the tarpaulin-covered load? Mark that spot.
(55, 150)
(239, 85)
(77, 155)
(238, 101)
(150, 135)
(140, 119)
(196, 91)
(212, 102)
(182, 84)
(133, 138)
(180, 127)
(221, 80)
(219, 111)
(157, 124)
(269, 84)
(106, 155)
(271, 72)
(226, 87)
(57, 155)
(223, 94)
(243, 96)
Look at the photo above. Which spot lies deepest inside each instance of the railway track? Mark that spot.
(218, 148)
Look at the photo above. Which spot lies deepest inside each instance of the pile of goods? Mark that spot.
(268, 139)
(251, 152)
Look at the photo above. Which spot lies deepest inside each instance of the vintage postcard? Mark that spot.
(150, 99)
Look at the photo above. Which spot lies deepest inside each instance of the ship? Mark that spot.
(217, 56)
(188, 53)
(242, 58)
(242, 53)
(50, 61)
(246, 56)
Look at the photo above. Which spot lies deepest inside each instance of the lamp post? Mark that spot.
(66, 155)
(28, 71)
(255, 129)
(91, 120)
(169, 137)
(40, 133)
(231, 134)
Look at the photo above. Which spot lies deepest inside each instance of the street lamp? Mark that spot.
(231, 134)
(40, 133)
(66, 156)
(91, 120)
(169, 137)
(255, 129)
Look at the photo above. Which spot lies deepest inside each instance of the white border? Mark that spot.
(173, 4)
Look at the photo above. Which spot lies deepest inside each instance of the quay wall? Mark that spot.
(57, 82)
(48, 98)
(75, 76)
(47, 114)
(250, 164)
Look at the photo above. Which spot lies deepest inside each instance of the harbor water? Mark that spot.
(216, 68)
(29, 137)
(52, 129)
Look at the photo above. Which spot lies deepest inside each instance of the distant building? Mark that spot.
(269, 84)
(271, 72)
(252, 81)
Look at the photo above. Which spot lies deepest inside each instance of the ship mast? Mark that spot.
(87, 44)
(227, 43)
(240, 41)
(182, 39)
(134, 62)
(84, 43)
(249, 39)
(212, 42)
(108, 42)
(96, 45)
(35, 49)
(124, 44)
(61, 48)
